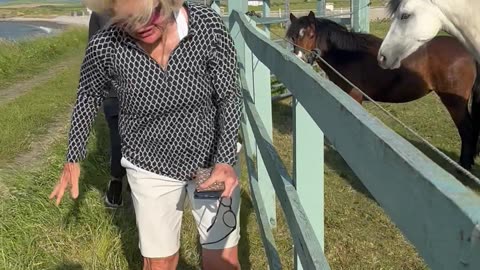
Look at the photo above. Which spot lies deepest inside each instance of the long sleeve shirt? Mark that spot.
(171, 121)
(97, 22)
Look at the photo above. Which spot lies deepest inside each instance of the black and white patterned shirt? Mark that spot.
(173, 121)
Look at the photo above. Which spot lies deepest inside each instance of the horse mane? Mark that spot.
(392, 6)
(340, 38)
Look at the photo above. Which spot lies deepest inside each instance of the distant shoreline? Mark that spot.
(52, 25)
(59, 22)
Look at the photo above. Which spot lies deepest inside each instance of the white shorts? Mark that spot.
(159, 201)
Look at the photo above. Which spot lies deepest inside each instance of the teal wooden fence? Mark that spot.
(434, 211)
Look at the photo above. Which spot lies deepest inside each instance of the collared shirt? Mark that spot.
(171, 121)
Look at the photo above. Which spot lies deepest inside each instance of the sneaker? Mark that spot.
(113, 196)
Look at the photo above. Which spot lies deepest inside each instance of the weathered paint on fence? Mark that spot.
(435, 212)
(308, 169)
(268, 240)
(261, 92)
(303, 234)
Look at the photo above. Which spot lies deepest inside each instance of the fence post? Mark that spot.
(266, 14)
(320, 7)
(360, 19)
(263, 102)
(216, 6)
(259, 84)
(308, 166)
(244, 61)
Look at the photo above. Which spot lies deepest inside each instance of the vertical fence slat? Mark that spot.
(360, 19)
(320, 7)
(216, 6)
(266, 14)
(273, 257)
(262, 94)
(244, 56)
(308, 154)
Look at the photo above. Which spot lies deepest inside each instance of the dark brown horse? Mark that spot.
(443, 65)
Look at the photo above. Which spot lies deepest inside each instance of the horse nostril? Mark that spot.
(382, 58)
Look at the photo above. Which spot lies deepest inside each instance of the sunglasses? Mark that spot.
(156, 13)
(229, 219)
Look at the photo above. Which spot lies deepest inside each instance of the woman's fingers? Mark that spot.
(74, 176)
(54, 192)
(230, 187)
(222, 173)
(69, 178)
(74, 191)
(60, 192)
(57, 186)
(212, 179)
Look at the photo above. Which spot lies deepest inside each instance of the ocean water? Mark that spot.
(22, 30)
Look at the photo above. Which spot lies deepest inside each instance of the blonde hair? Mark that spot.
(137, 15)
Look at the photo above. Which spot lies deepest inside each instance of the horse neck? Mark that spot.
(355, 42)
(462, 21)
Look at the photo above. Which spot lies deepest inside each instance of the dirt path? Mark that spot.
(35, 156)
(38, 148)
(55, 129)
(10, 93)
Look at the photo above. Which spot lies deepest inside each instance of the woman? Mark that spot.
(173, 66)
(113, 195)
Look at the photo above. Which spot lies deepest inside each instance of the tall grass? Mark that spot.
(20, 60)
(29, 115)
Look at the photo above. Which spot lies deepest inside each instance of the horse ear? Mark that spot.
(311, 16)
(293, 18)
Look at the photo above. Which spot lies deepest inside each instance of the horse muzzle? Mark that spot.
(313, 56)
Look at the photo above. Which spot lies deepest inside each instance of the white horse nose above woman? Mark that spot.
(415, 22)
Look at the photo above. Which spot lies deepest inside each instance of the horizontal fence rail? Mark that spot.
(434, 211)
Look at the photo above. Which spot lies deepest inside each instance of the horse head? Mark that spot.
(414, 23)
(302, 33)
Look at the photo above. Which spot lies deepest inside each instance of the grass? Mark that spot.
(358, 234)
(32, 112)
(43, 10)
(20, 60)
(82, 234)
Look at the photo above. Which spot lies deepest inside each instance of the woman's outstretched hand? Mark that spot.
(223, 173)
(69, 178)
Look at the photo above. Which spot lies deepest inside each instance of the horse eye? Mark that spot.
(405, 16)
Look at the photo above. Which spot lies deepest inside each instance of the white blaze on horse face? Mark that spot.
(414, 23)
(300, 54)
(301, 33)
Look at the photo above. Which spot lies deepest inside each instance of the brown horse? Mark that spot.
(443, 65)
